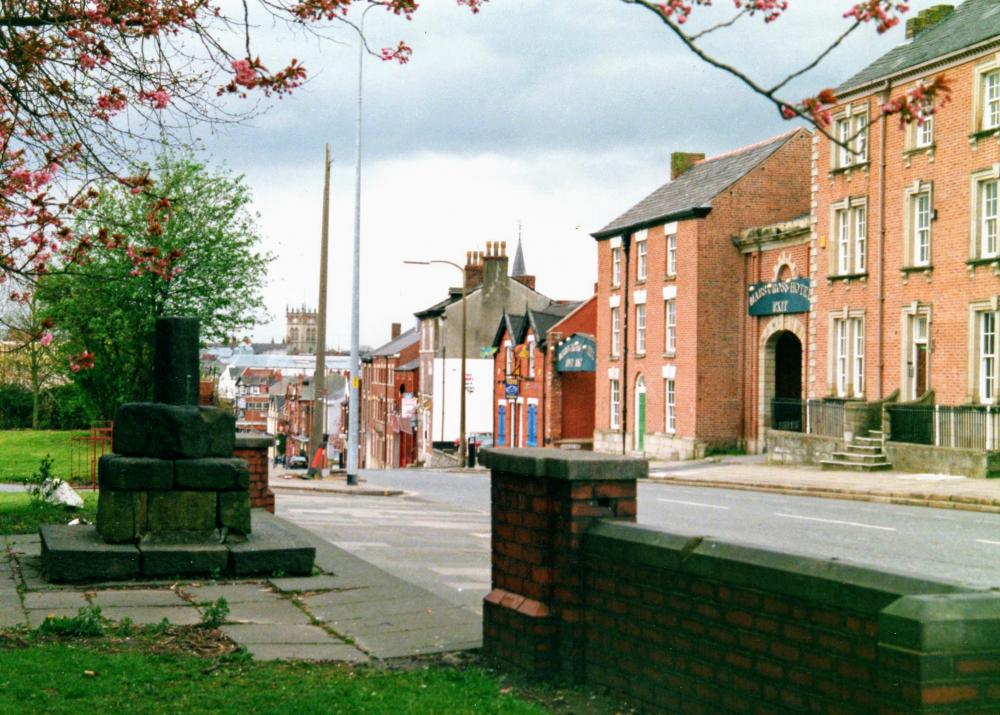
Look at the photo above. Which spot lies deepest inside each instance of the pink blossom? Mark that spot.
(46, 340)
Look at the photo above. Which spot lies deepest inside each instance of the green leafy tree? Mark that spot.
(106, 309)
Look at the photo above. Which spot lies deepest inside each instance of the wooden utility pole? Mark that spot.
(319, 377)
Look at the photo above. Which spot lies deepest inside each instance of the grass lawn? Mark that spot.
(74, 677)
(19, 516)
(22, 450)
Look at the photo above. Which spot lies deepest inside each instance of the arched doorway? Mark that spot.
(640, 414)
(782, 376)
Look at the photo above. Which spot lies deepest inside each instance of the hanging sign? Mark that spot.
(779, 297)
(576, 354)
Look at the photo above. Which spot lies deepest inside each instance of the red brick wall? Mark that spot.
(951, 284)
(261, 496)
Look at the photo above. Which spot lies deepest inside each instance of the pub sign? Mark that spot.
(576, 354)
(779, 297)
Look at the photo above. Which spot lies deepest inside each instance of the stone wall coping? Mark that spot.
(253, 441)
(571, 465)
(834, 583)
(959, 622)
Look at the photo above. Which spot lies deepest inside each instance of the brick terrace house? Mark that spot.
(298, 406)
(544, 377)
(905, 247)
(252, 398)
(491, 291)
(383, 400)
(671, 304)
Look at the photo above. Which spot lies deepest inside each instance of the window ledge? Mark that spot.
(670, 354)
(972, 262)
(984, 134)
(848, 169)
(929, 149)
(614, 358)
(638, 354)
(640, 281)
(847, 276)
(670, 277)
(917, 269)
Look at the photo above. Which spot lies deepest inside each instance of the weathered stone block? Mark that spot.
(135, 473)
(175, 361)
(181, 511)
(121, 515)
(77, 553)
(153, 429)
(234, 511)
(214, 473)
(271, 549)
(183, 559)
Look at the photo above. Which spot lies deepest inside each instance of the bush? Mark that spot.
(87, 622)
(15, 407)
(60, 408)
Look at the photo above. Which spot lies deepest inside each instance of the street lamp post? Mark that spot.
(462, 446)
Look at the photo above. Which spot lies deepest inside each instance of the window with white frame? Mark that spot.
(991, 100)
(986, 358)
(616, 400)
(616, 266)
(985, 224)
(919, 214)
(923, 133)
(616, 331)
(851, 132)
(670, 392)
(640, 328)
(670, 323)
(849, 356)
(672, 254)
(850, 237)
(531, 357)
(508, 358)
(641, 249)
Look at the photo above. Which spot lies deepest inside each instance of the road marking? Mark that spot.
(835, 521)
(694, 503)
(987, 541)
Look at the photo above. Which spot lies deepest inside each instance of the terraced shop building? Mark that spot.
(677, 349)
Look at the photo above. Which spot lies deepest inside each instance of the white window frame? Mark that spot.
(672, 254)
(854, 122)
(849, 237)
(641, 255)
(670, 325)
(531, 356)
(640, 328)
(923, 134)
(508, 358)
(986, 356)
(670, 400)
(991, 99)
(616, 331)
(615, 398)
(984, 212)
(918, 225)
(847, 354)
(616, 266)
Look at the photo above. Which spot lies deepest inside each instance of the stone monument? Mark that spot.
(173, 500)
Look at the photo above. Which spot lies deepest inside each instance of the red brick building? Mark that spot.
(544, 377)
(388, 438)
(672, 299)
(253, 398)
(904, 249)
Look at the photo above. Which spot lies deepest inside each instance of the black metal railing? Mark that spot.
(787, 414)
(956, 426)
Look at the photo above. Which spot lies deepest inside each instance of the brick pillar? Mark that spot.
(543, 500)
(253, 448)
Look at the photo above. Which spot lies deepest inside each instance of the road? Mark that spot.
(438, 534)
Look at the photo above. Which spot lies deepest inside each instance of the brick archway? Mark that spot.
(775, 328)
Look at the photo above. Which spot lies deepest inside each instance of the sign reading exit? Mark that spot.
(779, 297)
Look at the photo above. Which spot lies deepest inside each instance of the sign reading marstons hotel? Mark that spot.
(779, 297)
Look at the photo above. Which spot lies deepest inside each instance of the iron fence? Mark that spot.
(958, 426)
(820, 417)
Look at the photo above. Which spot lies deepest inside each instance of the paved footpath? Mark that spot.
(935, 490)
(350, 611)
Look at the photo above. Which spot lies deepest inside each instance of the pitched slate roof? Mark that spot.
(692, 192)
(510, 324)
(393, 347)
(972, 22)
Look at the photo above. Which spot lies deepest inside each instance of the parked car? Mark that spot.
(297, 461)
(482, 439)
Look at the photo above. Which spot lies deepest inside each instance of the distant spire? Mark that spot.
(518, 269)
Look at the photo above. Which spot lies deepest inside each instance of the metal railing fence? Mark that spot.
(955, 426)
(820, 417)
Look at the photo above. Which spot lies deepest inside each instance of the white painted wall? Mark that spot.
(478, 401)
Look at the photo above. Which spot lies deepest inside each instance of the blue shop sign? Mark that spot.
(779, 297)
(577, 354)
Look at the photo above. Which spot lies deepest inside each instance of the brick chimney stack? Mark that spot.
(495, 263)
(473, 269)
(396, 329)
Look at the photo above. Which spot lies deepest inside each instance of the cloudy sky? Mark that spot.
(557, 115)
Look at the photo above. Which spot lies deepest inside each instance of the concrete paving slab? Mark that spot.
(445, 621)
(11, 613)
(264, 633)
(308, 651)
(137, 597)
(232, 592)
(383, 594)
(322, 582)
(371, 610)
(26, 548)
(55, 599)
(152, 615)
(78, 553)
(275, 611)
(433, 640)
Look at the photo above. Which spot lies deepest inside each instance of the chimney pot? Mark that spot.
(503, 248)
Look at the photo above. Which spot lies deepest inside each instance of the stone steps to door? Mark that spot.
(835, 464)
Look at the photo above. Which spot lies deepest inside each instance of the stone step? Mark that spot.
(833, 464)
(869, 440)
(866, 458)
(875, 434)
(864, 448)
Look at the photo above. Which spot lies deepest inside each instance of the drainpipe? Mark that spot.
(880, 284)
(626, 246)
